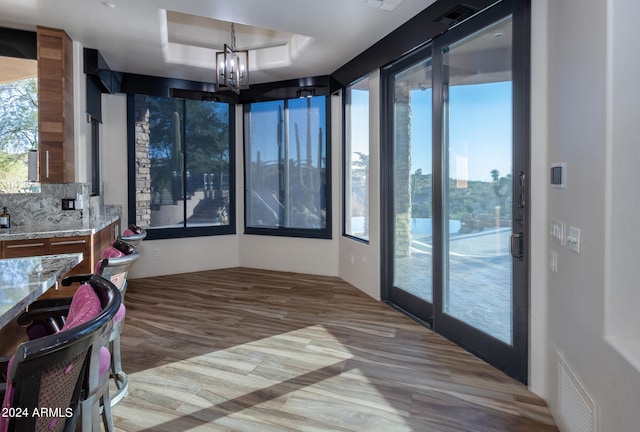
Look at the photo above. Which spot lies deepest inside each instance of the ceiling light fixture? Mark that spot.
(232, 66)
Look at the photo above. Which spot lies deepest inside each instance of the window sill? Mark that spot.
(628, 348)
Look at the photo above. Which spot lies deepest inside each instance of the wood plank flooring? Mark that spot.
(251, 350)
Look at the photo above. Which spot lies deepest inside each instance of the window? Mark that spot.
(356, 160)
(18, 123)
(183, 171)
(287, 175)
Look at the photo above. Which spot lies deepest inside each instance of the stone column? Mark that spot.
(143, 163)
(402, 172)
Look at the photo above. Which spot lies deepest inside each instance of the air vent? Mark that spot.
(456, 15)
(577, 409)
(387, 5)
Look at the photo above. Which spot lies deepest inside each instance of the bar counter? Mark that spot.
(22, 280)
(35, 230)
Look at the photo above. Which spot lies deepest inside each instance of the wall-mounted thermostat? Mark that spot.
(559, 175)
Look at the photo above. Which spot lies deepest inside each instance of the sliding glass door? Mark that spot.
(455, 250)
(412, 182)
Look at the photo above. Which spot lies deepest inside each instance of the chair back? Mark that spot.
(46, 375)
(134, 234)
(116, 262)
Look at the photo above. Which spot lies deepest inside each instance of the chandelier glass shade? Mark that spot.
(232, 66)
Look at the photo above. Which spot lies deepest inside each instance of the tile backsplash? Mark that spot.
(45, 208)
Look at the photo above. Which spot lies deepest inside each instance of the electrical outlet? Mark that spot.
(68, 204)
(156, 252)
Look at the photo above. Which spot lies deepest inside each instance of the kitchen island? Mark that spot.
(22, 280)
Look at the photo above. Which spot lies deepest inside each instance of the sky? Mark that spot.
(264, 128)
(480, 131)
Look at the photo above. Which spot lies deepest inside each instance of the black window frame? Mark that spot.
(184, 231)
(95, 156)
(280, 231)
(346, 100)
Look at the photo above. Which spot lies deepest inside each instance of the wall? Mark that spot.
(592, 97)
(359, 263)
(623, 251)
(538, 317)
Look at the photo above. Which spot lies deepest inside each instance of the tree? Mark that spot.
(359, 171)
(197, 130)
(18, 131)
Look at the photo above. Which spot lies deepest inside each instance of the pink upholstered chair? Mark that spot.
(114, 266)
(134, 235)
(58, 371)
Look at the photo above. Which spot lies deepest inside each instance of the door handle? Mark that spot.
(517, 251)
(521, 186)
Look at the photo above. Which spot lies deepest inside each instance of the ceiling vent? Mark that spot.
(387, 5)
(456, 15)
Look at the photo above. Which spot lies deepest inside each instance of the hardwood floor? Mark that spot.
(251, 350)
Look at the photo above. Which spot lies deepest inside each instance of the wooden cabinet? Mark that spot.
(91, 247)
(102, 239)
(64, 245)
(55, 106)
(23, 248)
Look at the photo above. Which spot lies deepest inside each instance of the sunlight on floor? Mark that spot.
(303, 375)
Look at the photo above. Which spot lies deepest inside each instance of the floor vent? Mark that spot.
(577, 409)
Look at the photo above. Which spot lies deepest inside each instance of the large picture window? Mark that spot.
(356, 160)
(183, 166)
(287, 162)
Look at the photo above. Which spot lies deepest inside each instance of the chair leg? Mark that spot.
(119, 376)
(90, 418)
(105, 402)
(98, 407)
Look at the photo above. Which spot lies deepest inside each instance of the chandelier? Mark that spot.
(232, 66)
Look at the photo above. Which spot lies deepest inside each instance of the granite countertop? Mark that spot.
(34, 231)
(22, 280)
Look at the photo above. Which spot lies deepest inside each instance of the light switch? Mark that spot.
(574, 239)
(556, 231)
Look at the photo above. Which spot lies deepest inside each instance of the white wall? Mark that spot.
(591, 48)
(359, 263)
(113, 148)
(623, 298)
(538, 329)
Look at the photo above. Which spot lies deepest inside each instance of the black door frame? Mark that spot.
(512, 359)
